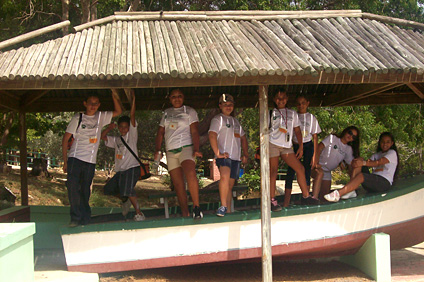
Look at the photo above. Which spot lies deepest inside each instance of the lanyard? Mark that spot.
(285, 119)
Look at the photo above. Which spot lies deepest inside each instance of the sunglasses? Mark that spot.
(354, 137)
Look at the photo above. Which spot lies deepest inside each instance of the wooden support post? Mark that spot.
(265, 188)
(23, 158)
(373, 258)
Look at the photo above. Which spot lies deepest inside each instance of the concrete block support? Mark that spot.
(373, 258)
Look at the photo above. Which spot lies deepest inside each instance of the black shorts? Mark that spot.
(123, 183)
(375, 183)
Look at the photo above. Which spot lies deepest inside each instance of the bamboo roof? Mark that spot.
(336, 57)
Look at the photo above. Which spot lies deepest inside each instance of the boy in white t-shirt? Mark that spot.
(127, 167)
(80, 162)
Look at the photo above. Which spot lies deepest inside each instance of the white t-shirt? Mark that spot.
(282, 123)
(229, 132)
(123, 158)
(387, 170)
(308, 126)
(176, 122)
(334, 152)
(87, 136)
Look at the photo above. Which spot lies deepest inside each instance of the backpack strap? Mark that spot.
(135, 156)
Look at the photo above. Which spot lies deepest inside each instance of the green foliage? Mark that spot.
(252, 179)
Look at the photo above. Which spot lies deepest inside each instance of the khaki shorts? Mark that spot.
(174, 160)
(276, 151)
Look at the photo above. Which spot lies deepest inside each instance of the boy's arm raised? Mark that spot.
(116, 104)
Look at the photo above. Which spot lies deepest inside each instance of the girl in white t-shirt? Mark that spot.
(284, 124)
(384, 164)
(227, 138)
(310, 129)
(179, 128)
(332, 151)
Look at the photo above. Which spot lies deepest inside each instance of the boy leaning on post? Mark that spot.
(80, 161)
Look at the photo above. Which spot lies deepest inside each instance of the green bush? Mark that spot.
(252, 179)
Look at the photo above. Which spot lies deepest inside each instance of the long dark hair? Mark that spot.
(393, 147)
(355, 143)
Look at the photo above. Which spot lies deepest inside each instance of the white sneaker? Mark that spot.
(333, 196)
(349, 195)
(126, 207)
(139, 217)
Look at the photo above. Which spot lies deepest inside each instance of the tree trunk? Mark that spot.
(93, 10)
(134, 5)
(204, 126)
(65, 15)
(8, 121)
(85, 8)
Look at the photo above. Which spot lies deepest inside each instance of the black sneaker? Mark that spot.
(197, 212)
(275, 207)
(309, 201)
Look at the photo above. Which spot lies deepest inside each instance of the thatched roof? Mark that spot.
(336, 57)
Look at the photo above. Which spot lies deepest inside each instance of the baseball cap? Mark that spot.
(226, 98)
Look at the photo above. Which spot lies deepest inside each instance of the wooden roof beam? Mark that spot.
(417, 88)
(359, 92)
(31, 97)
(9, 101)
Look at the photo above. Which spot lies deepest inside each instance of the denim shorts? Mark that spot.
(233, 165)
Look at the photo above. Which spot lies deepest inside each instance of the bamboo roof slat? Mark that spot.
(207, 58)
(78, 54)
(184, 55)
(195, 50)
(250, 65)
(174, 49)
(287, 48)
(162, 49)
(169, 49)
(149, 48)
(91, 59)
(366, 48)
(43, 63)
(157, 56)
(52, 71)
(413, 43)
(143, 51)
(396, 61)
(123, 51)
(9, 63)
(370, 44)
(103, 67)
(228, 69)
(319, 60)
(241, 68)
(136, 51)
(363, 56)
(85, 55)
(71, 57)
(401, 53)
(116, 74)
(112, 49)
(100, 54)
(266, 51)
(186, 40)
(310, 35)
(403, 49)
(38, 57)
(52, 56)
(328, 44)
(341, 41)
(63, 62)
(18, 65)
(130, 64)
(250, 48)
(293, 46)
